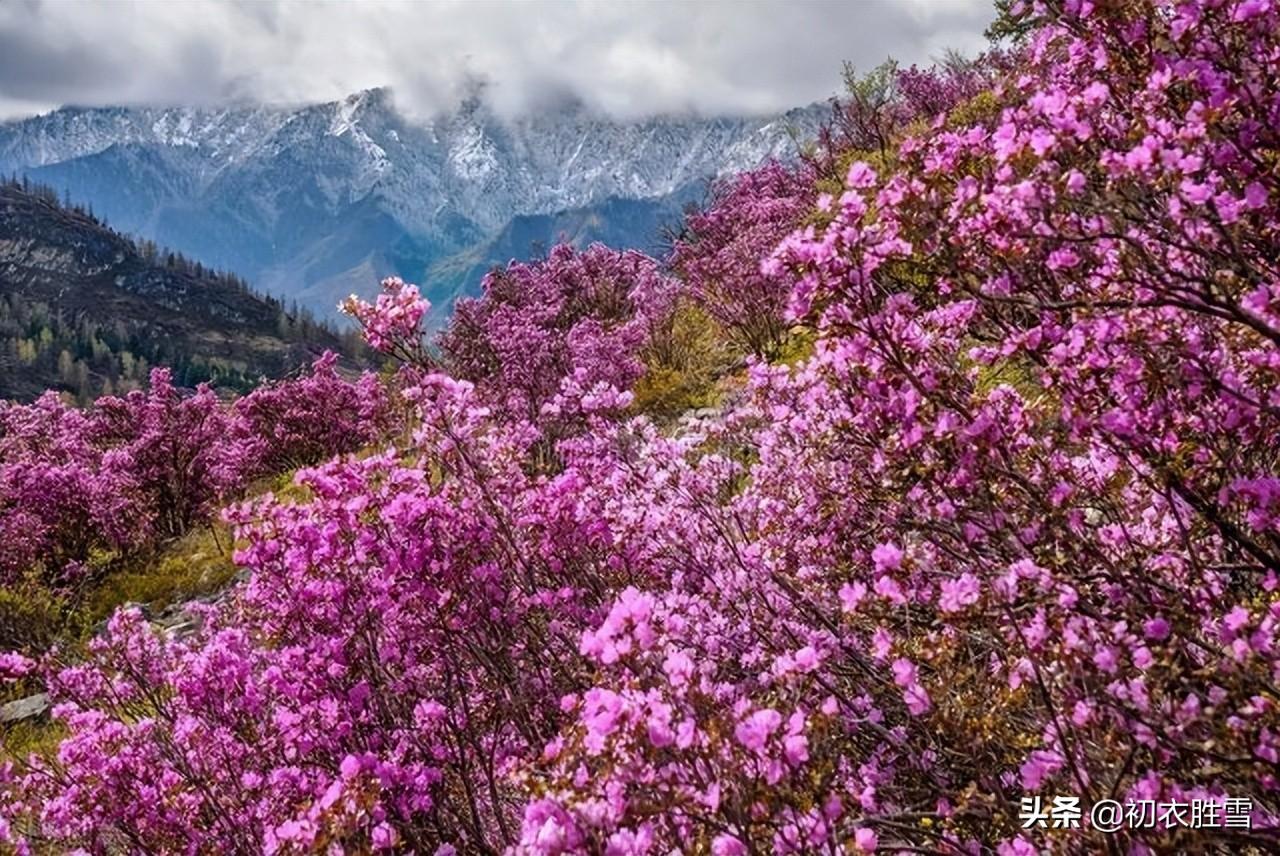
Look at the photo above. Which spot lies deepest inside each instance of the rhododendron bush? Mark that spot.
(551, 343)
(719, 254)
(149, 465)
(1011, 529)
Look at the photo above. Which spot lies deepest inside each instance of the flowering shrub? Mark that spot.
(50, 503)
(174, 455)
(305, 420)
(415, 600)
(554, 341)
(879, 105)
(147, 466)
(720, 253)
(1012, 529)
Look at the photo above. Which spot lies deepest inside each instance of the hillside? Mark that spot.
(315, 201)
(87, 310)
(923, 497)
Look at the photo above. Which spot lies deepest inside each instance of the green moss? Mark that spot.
(982, 108)
(31, 615)
(796, 347)
(665, 392)
(283, 486)
(1019, 374)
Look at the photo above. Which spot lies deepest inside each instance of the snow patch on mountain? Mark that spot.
(472, 154)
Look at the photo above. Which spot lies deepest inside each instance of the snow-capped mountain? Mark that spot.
(316, 201)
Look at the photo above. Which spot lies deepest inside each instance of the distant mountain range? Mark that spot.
(88, 311)
(314, 202)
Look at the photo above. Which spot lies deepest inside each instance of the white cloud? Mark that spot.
(627, 58)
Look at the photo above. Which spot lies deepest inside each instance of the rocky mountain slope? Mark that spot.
(87, 310)
(317, 201)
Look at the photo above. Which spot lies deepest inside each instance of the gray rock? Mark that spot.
(25, 708)
(181, 629)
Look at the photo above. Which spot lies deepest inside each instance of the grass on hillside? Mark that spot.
(197, 564)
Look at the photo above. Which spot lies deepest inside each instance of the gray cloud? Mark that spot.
(626, 58)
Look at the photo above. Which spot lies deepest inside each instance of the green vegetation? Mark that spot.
(34, 736)
(194, 565)
(686, 366)
(33, 616)
(89, 359)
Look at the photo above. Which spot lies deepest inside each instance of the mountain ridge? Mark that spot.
(309, 201)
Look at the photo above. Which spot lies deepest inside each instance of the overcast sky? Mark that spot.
(626, 58)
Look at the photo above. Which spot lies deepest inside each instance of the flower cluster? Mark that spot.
(392, 323)
(552, 342)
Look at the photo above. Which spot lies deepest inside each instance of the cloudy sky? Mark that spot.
(627, 58)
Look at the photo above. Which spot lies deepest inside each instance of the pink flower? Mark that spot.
(384, 837)
(890, 589)
(350, 767)
(679, 667)
(393, 319)
(958, 593)
(1235, 621)
(1194, 192)
(1247, 10)
(1255, 196)
(1042, 140)
(755, 730)
(887, 557)
(13, 665)
(1039, 767)
(795, 748)
(807, 659)
(914, 695)
(851, 595)
(881, 643)
(1106, 660)
(727, 845)
(861, 175)
(1063, 259)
